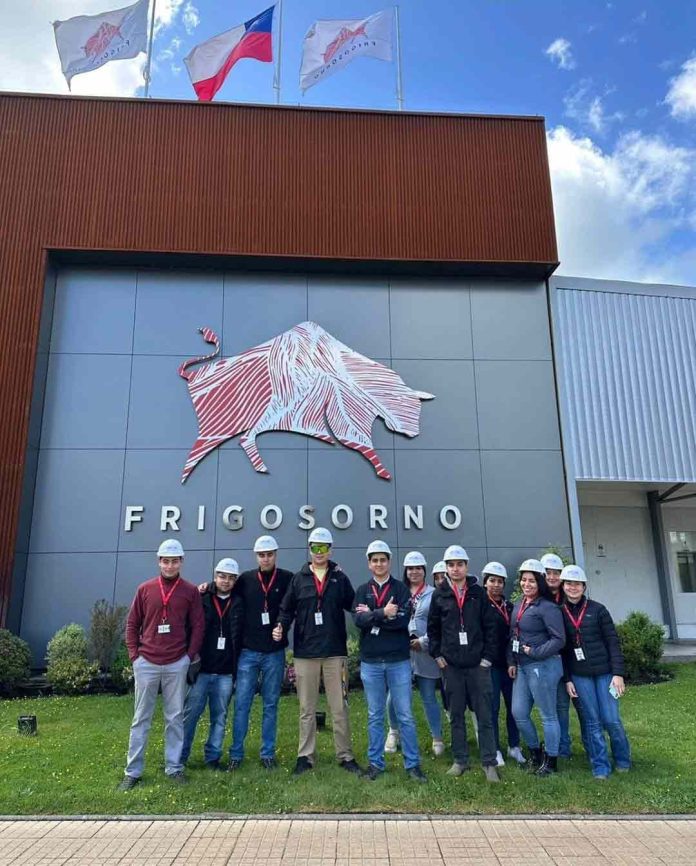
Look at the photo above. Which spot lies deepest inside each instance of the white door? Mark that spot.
(682, 547)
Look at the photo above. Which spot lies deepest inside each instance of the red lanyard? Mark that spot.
(576, 622)
(379, 597)
(221, 613)
(461, 598)
(416, 594)
(525, 604)
(166, 596)
(266, 589)
(320, 586)
(502, 610)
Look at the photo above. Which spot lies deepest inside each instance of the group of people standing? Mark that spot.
(459, 638)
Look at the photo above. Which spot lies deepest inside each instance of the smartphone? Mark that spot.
(613, 692)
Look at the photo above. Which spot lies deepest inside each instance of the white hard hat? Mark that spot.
(378, 546)
(494, 568)
(227, 566)
(574, 572)
(550, 560)
(454, 551)
(532, 565)
(170, 547)
(439, 568)
(414, 559)
(320, 536)
(265, 543)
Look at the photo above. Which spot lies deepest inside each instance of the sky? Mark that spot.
(615, 81)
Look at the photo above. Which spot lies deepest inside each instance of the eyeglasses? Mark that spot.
(319, 548)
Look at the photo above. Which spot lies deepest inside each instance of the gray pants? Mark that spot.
(148, 678)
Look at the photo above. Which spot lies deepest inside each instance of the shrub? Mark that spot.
(353, 663)
(106, 632)
(72, 676)
(121, 670)
(642, 643)
(69, 642)
(15, 659)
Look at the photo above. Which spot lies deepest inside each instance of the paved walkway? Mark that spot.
(349, 841)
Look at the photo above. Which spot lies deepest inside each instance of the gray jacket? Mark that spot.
(422, 663)
(541, 627)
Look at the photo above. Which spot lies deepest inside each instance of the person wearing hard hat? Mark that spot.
(164, 633)
(439, 574)
(537, 636)
(222, 608)
(553, 565)
(493, 577)
(424, 666)
(262, 590)
(316, 601)
(461, 632)
(382, 614)
(594, 672)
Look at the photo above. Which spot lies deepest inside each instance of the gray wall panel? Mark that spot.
(132, 569)
(161, 413)
(356, 312)
(510, 321)
(431, 320)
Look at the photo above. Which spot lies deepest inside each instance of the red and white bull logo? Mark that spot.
(345, 34)
(302, 381)
(101, 39)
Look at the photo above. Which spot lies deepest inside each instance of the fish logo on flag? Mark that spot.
(331, 45)
(87, 42)
(302, 381)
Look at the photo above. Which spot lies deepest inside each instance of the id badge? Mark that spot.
(265, 618)
(463, 638)
(318, 618)
(221, 643)
(515, 646)
(579, 654)
(374, 630)
(163, 628)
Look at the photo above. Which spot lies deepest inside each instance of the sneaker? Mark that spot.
(302, 766)
(234, 764)
(457, 769)
(600, 778)
(351, 766)
(491, 774)
(438, 748)
(372, 773)
(622, 769)
(392, 741)
(269, 763)
(415, 774)
(178, 778)
(516, 754)
(128, 783)
(499, 759)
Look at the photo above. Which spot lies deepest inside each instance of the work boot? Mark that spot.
(457, 769)
(178, 778)
(416, 774)
(269, 763)
(536, 759)
(303, 764)
(351, 766)
(234, 764)
(128, 783)
(549, 766)
(491, 774)
(372, 773)
(392, 742)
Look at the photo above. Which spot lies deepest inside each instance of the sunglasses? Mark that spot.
(319, 548)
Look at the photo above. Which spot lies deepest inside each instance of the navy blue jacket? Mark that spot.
(444, 626)
(541, 627)
(502, 633)
(391, 643)
(598, 639)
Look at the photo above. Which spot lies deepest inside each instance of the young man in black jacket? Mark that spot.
(222, 608)
(462, 636)
(593, 670)
(317, 598)
(382, 613)
(262, 590)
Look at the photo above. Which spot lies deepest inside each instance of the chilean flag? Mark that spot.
(209, 63)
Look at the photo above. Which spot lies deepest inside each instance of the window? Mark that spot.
(683, 545)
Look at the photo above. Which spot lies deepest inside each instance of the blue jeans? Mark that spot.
(428, 691)
(600, 712)
(502, 685)
(563, 713)
(537, 683)
(215, 690)
(270, 667)
(394, 677)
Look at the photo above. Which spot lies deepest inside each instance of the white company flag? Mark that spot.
(331, 45)
(87, 42)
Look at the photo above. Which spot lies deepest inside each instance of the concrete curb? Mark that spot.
(339, 816)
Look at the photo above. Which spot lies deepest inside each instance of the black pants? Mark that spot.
(472, 687)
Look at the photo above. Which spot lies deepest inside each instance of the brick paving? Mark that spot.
(349, 841)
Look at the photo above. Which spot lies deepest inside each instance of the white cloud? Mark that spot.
(587, 108)
(681, 96)
(618, 213)
(170, 52)
(190, 17)
(559, 51)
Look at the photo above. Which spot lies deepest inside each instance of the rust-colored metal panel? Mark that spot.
(145, 176)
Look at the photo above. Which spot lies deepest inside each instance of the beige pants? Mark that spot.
(308, 676)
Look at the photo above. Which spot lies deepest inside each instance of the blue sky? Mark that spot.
(613, 80)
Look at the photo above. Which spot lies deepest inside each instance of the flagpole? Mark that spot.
(399, 85)
(276, 84)
(149, 50)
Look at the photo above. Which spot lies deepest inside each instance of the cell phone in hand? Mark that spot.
(613, 692)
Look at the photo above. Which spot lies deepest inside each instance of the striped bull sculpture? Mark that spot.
(302, 381)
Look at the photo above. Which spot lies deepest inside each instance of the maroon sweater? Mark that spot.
(185, 618)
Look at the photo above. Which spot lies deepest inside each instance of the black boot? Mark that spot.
(536, 759)
(549, 767)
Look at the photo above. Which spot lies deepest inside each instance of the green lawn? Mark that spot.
(76, 761)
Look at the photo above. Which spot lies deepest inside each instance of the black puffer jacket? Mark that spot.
(598, 639)
(478, 621)
(502, 632)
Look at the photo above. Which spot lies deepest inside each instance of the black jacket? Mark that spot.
(213, 660)
(312, 641)
(598, 639)
(478, 623)
(502, 632)
(256, 636)
(391, 643)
